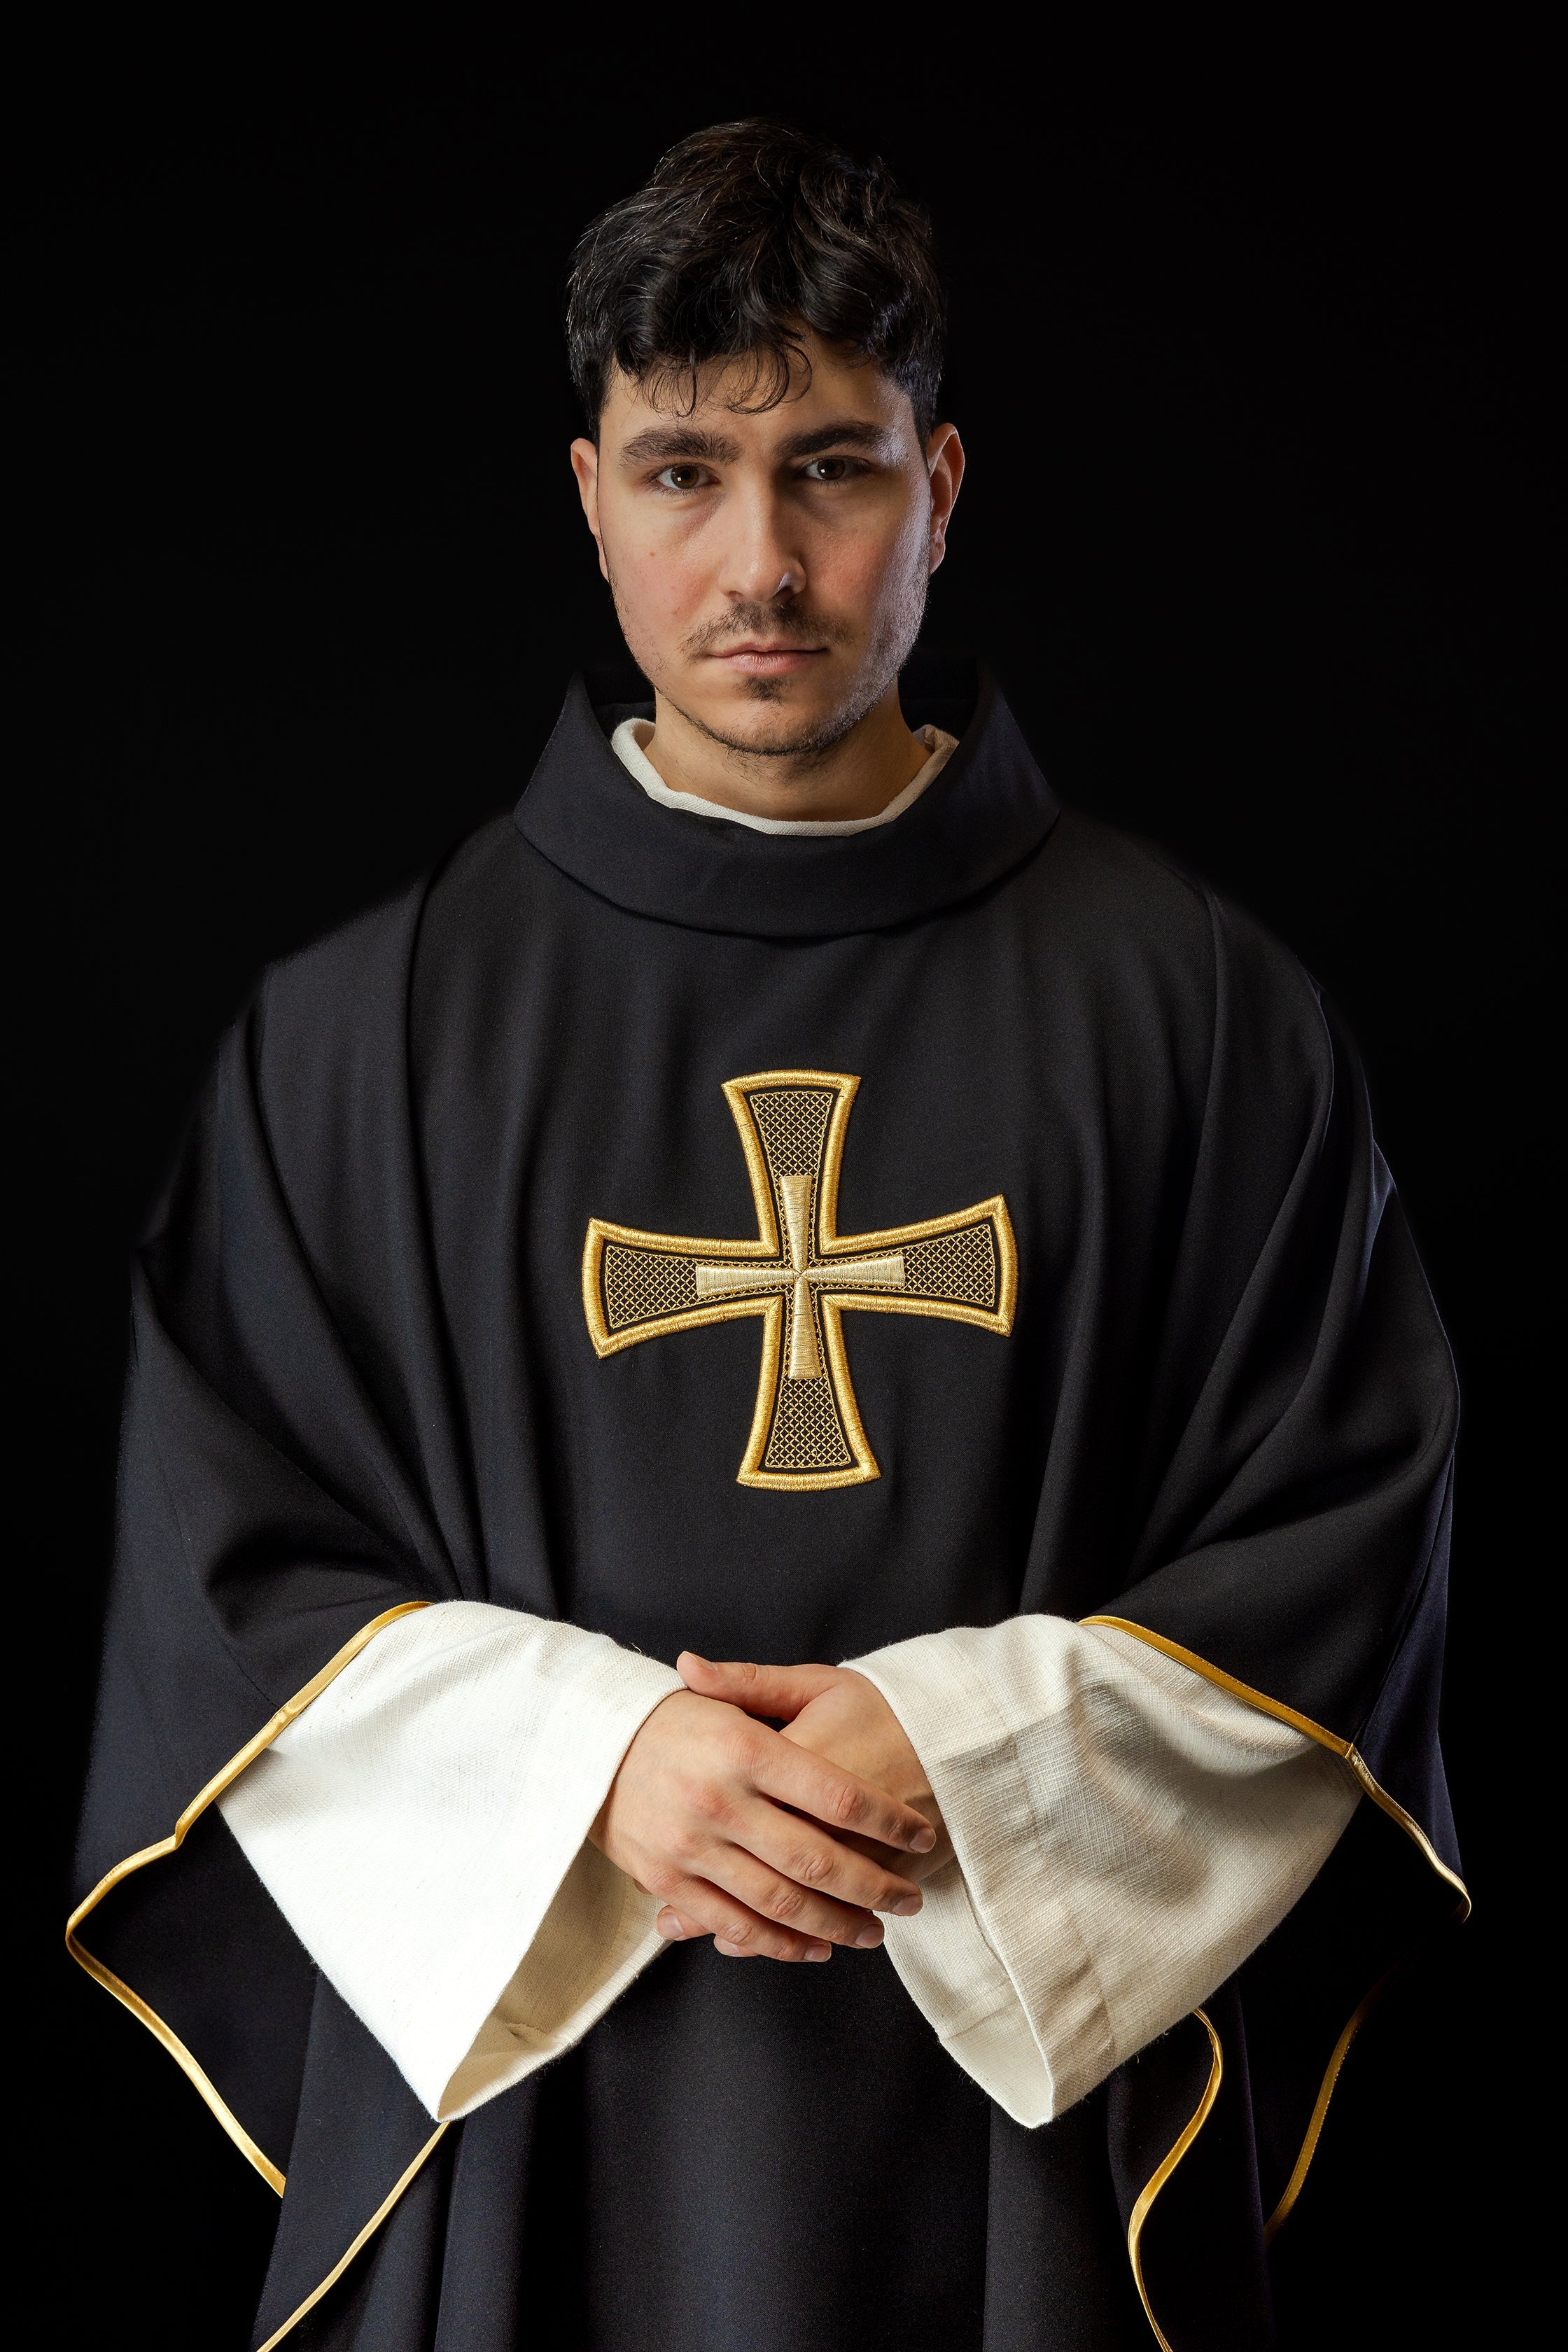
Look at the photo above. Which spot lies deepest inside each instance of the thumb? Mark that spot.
(777, 1691)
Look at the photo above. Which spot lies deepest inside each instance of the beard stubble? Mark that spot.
(891, 643)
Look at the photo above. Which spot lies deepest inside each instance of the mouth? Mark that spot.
(755, 659)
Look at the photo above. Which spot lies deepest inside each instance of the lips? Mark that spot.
(769, 661)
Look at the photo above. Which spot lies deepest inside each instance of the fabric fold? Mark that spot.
(423, 1827)
(1125, 1835)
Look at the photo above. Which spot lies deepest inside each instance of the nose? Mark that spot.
(762, 564)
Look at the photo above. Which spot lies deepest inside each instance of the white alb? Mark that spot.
(1125, 1833)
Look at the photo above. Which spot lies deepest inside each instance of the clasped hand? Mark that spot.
(776, 1843)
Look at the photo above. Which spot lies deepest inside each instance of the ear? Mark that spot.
(944, 465)
(586, 466)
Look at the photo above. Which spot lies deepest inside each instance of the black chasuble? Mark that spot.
(491, 1271)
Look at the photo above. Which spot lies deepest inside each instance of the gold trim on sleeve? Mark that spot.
(1162, 2171)
(287, 1714)
(368, 2231)
(1343, 1749)
(1348, 1752)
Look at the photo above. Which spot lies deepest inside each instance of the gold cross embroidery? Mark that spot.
(801, 1276)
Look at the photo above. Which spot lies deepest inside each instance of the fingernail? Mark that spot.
(869, 1938)
(670, 1928)
(903, 1906)
(819, 1951)
(923, 1841)
(698, 1660)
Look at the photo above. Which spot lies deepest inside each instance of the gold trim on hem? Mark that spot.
(1162, 2171)
(1349, 1754)
(1308, 2147)
(287, 1714)
(368, 2231)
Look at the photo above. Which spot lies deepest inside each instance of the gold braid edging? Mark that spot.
(287, 1714)
(368, 2231)
(1163, 2170)
(1346, 1750)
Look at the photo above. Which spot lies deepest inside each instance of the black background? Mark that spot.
(1242, 358)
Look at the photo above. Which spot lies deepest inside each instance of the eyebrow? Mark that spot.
(669, 444)
(847, 433)
(673, 442)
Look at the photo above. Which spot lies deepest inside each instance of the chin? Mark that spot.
(776, 717)
(771, 725)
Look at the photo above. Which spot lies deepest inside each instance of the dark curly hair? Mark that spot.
(746, 235)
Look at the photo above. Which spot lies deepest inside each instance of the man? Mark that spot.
(790, 1195)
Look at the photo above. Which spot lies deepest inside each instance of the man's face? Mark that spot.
(770, 569)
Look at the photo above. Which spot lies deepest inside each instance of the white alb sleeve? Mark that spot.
(1125, 1832)
(422, 1828)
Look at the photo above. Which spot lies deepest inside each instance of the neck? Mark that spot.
(856, 777)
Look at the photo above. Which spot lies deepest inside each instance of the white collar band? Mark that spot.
(632, 734)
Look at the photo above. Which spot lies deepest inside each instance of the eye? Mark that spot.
(685, 476)
(828, 469)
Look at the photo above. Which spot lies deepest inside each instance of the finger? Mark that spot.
(674, 1928)
(714, 1912)
(812, 1785)
(730, 1868)
(786, 1902)
(806, 1856)
(777, 1691)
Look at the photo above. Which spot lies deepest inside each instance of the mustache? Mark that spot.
(772, 622)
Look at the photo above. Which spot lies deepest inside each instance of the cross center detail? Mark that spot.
(797, 1273)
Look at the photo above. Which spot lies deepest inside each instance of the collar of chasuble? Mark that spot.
(987, 810)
